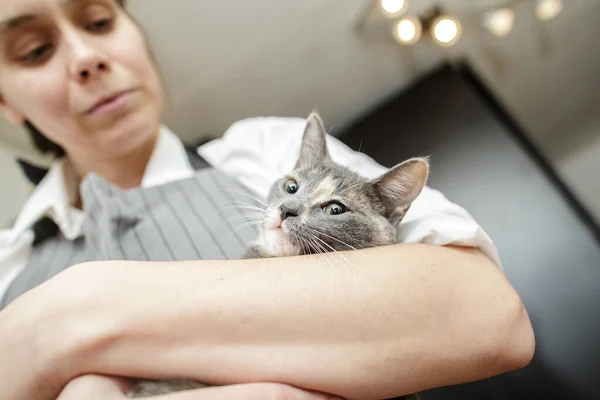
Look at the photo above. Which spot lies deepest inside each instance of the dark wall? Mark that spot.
(548, 253)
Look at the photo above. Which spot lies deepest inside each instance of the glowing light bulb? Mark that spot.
(407, 30)
(545, 10)
(393, 7)
(500, 22)
(446, 30)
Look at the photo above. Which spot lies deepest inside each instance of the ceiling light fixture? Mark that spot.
(446, 30)
(499, 22)
(545, 10)
(393, 8)
(408, 30)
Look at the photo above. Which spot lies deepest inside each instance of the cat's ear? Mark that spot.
(314, 149)
(400, 186)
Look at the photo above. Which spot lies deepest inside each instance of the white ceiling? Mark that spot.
(227, 60)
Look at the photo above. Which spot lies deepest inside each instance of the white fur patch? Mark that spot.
(274, 239)
(323, 192)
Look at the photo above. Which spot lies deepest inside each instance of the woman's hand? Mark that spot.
(42, 343)
(96, 387)
(29, 365)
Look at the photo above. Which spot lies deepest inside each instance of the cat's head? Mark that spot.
(321, 206)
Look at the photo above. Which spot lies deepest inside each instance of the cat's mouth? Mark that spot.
(273, 221)
(278, 236)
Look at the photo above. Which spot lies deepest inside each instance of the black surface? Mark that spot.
(547, 240)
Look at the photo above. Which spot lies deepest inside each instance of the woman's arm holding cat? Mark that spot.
(371, 324)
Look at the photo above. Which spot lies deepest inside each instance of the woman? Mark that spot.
(81, 73)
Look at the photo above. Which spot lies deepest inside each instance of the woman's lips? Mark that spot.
(114, 102)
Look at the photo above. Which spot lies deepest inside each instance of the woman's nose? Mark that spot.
(87, 72)
(87, 62)
(86, 69)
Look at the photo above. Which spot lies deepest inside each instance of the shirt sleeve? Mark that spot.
(258, 151)
(14, 253)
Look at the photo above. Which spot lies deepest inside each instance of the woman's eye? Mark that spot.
(291, 186)
(335, 209)
(100, 25)
(37, 54)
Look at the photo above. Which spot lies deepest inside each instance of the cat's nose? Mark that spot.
(287, 212)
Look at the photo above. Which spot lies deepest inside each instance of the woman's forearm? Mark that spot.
(370, 324)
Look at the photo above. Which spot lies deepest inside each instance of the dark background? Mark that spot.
(548, 243)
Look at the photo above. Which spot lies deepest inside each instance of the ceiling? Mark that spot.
(227, 60)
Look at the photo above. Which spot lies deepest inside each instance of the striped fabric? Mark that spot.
(198, 218)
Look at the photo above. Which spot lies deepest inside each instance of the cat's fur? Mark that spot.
(298, 223)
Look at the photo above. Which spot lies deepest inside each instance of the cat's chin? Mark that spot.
(277, 243)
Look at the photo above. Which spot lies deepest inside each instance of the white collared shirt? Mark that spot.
(256, 152)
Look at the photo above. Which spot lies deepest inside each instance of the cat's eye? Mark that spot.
(335, 209)
(291, 186)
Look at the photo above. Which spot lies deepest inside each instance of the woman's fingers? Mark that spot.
(95, 387)
(250, 391)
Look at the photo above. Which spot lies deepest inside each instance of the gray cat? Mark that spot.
(321, 207)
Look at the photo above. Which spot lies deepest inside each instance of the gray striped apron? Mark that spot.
(202, 217)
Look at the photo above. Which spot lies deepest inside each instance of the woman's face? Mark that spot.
(80, 71)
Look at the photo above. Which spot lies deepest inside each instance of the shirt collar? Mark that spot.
(168, 162)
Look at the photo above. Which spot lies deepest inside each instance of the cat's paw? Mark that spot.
(256, 252)
(148, 388)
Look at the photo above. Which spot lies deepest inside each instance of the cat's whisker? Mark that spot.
(236, 201)
(341, 242)
(329, 246)
(246, 225)
(241, 201)
(263, 210)
(329, 259)
(243, 217)
(305, 248)
(303, 244)
(249, 196)
(237, 205)
(345, 267)
(334, 251)
(240, 222)
(351, 278)
(250, 223)
(331, 237)
(315, 246)
(247, 219)
(238, 227)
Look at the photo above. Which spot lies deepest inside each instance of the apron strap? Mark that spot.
(46, 228)
(196, 160)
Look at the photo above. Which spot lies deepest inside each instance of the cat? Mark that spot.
(322, 206)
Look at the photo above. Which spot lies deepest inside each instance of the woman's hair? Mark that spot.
(41, 142)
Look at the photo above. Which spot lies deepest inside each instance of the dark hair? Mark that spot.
(41, 142)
